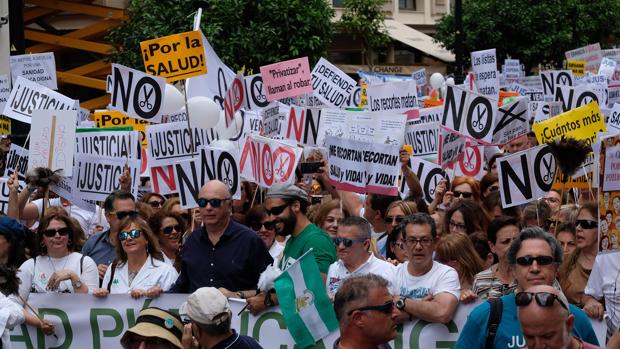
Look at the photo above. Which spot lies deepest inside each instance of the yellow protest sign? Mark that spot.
(5, 125)
(580, 123)
(175, 57)
(578, 67)
(113, 118)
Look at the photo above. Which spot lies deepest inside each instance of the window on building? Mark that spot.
(406, 5)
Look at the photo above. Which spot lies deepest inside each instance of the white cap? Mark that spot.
(207, 306)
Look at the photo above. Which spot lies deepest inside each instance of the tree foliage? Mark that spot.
(242, 32)
(363, 19)
(535, 31)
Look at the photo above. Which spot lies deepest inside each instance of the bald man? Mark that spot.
(221, 253)
(545, 319)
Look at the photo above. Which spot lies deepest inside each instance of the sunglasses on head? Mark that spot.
(124, 214)
(268, 226)
(464, 195)
(586, 224)
(50, 233)
(386, 308)
(168, 230)
(215, 203)
(529, 260)
(397, 219)
(346, 242)
(156, 204)
(274, 211)
(544, 299)
(124, 235)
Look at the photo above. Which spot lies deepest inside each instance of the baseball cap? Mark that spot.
(287, 191)
(158, 323)
(207, 306)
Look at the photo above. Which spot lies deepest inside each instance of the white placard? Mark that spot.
(423, 138)
(394, 96)
(607, 68)
(265, 161)
(5, 90)
(116, 144)
(52, 138)
(36, 67)
(469, 114)
(171, 142)
(484, 64)
(512, 121)
(430, 174)
(95, 177)
(137, 94)
(387, 128)
(552, 78)
(592, 54)
(4, 193)
(331, 85)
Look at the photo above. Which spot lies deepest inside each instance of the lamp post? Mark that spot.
(458, 42)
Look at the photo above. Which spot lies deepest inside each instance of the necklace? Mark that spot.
(132, 275)
(52, 262)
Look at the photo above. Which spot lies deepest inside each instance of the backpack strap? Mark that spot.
(81, 264)
(495, 317)
(112, 275)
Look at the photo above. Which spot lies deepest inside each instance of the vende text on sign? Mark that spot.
(175, 57)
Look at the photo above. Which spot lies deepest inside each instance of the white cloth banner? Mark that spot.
(386, 128)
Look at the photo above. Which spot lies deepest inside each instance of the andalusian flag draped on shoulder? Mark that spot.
(308, 312)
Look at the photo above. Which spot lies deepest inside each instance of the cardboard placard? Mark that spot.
(95, 177)
(471, 164)
(300, 124)
(235, 98)
(469, 114)
(17, 159)
(27, 96)
(420, 77)
(423, 138)
(608, 67)
(331, 85)
(577, 67)
(386, 128)
(266, 161)
(254, 95)
(512, 121)
(608, 194)
(451, 147)
(175, 57)
(137, 94)
(52, 138)
(591, 54)
(484, 65)
(116, 144)
(552, 78)
(113, 118)
(394, 96)
(573, 97)
(36, 67)
(287, 79)
(581, 123)
(169, 143)
(4, 193)
(5, 91)
(163, 180)
(430, 174)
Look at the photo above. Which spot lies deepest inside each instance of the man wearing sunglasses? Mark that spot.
(534, 257)
(352, 243)
(366, 313)
(221, 253)
(100, 247)
(545, 319)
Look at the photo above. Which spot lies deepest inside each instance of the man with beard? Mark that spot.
(288, 205)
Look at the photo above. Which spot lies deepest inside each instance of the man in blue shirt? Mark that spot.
(534, 257)
(222, 253)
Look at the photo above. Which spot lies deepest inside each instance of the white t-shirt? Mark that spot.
(604, 282)
(338, 272)
(441, 278)
(11, 315)
(35, 276)
(88, 220)
(153, 273)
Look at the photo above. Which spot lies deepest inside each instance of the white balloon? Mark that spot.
(173, 100)
(437, 80)
(450, 81)
(233, 130)
(203, 112)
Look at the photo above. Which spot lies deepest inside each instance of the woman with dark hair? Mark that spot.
(488, 184)
(395, 213)
(396, 252)
(12, 238)
(575, 270)
(139, 268)
(59, 267)
(258, 220)
(155, 200)
(466, 216)
(169, 227)
(11, 314)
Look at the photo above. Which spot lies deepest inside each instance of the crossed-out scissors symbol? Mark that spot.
(147, 96)
(550, 173)
(478, 123)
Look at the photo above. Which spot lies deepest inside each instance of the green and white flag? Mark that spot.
(308, 312)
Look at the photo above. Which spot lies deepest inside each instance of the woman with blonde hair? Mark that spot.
(457, 251)
(328, 215)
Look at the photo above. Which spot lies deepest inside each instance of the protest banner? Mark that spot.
(471, 164)
(484, 65)
(162, 179)
(451, 147)
(116, 144)
(95, 177)
(591, 54)
(175, 57)
(512, 121)
(613, 121)
(52, 138)
(545, 110)
(611, 169)
(27, 96)
(287, 79)
(430, 174)
(36, 67)
(86, 322)
(169, 143)
(213, 163)
(532, 81)
(330, 84)
(64, 189)
(394, 96)
(577, 67)
(5, 191)
(423, 137)
(362, 167)
(552, 78)
(386, 128)
(518, 88)
(300, 124)
(609, 194)
(432, 114)
(5, 91)
(526, 175)
(608, 67)
(17, 160)
(265, 161)
(272, 120)
(420, 77)
(254, 96)
(113, 118)
(234, 100)
(469, 114)
(137, 94)
(580, 123)
(512, 70)
(573, 97)
(5, 125)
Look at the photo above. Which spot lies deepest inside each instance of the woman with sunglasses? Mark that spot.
(256, 219)
(169, 227)
(463, 187)
(394, 214)
(58, 266)
(575, 270)
(139, 269)
(155, 200)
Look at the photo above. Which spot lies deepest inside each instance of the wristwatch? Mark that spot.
(268, 300)
(400, 303)
(77, 284)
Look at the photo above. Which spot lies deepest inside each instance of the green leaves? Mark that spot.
(364, 19)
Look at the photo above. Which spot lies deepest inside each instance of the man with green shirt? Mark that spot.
(287, 205)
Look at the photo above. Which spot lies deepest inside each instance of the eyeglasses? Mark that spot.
(457, 226)
(465, 195)
(215, 203)
(268, 226)
(124, 235)
(124, 214)
(346, 242)
(424, 242)
(50, 233)
(386, 308)
(544, 299)
(274, 211)
(529, 260)
(586, 224)
(156, 204)
(392, 219)
(168, 230)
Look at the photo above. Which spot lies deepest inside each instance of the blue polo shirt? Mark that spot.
(99, 248)
(235, 262)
